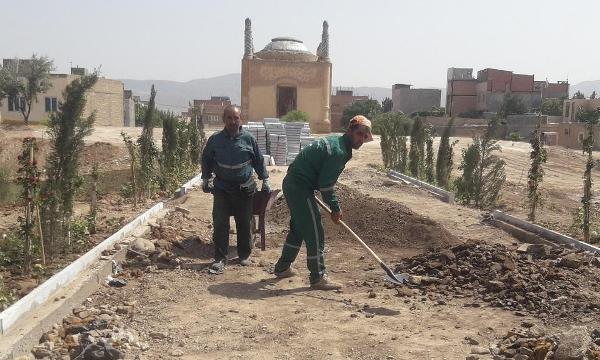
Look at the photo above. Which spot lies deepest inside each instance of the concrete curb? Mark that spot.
(543, 232)
(185, 188)
(42, 293)
(444, 195)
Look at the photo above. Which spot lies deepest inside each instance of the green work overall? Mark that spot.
(317, 167)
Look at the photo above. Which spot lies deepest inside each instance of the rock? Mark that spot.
(520, 357)
(158, 335)
(177, 353)
(495, 285)
(472, 357)
(182, 210)
(536, 250)
(25, 286)
(389, 183)
(471, 341)
(596, 261)
(83, 314)
(573, 344)
(143, 245)
(41, 352)
(479, 350)
(572, 261)
(372, 294)
(124, 310)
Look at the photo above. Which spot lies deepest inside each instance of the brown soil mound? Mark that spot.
(379, 222)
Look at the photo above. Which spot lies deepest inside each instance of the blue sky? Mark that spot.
(372, 43)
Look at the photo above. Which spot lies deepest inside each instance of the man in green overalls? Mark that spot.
(317, 167)
(232, 154)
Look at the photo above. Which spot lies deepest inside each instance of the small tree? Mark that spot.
(579, 95)
(147, 148)
(429, 157)
(588, 147)
(417, 146)
(25, 81)
(29, 179)
(197, 140)
(536, 171)
(387, 105)
(393, 128)
(511, 104)
(593, 96)
(133, 164)
(67, 129)
(445, 156)
(169, 158)
(483, 171)
(92, 216)
(296, 116)
(368, 108)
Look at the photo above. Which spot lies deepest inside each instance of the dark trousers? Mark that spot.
(239, 205)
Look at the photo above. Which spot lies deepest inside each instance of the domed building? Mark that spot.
(286, 76)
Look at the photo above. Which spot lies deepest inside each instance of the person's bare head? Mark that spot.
(232, 118)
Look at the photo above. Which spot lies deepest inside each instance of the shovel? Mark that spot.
(397, 279)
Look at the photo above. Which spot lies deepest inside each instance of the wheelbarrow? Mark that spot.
(262, 202)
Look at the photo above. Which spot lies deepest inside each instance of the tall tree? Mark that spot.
(197, 136)
(368, 108)
(483, 171)
(417, 145)
(445, 156)
(25, 82)
(393, 128)
(67, 129)
(552, 107)
(429, 157)
(593, 96)
(579, 95)
(536, 171)
(387, 105)
(147, 148)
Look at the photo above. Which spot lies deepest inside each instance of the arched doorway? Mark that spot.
(286, 100)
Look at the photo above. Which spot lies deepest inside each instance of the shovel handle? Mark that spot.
(326, 208)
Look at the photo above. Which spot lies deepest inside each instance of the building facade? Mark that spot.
(339, 102)
(105, 98)
(285, 76)
(571, 106)
(409, 100)
(212, 109)
(486, 92)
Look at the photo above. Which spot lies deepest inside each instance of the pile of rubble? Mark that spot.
(531, 342)
(536, 279)
(91, 333)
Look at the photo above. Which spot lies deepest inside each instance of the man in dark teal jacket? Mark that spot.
(317, 167)
(232, 154)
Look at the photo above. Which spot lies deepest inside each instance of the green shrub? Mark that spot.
(296, 116)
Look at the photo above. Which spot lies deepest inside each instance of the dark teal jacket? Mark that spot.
(232, 159)
(318, 166)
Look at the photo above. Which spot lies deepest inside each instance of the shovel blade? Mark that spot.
(398, 279)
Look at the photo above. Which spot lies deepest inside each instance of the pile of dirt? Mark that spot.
(546, 282)
(379, 222)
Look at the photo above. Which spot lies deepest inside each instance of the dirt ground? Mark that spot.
(179, 310)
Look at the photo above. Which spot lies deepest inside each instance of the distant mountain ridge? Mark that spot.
(587, 87)
(175, 95)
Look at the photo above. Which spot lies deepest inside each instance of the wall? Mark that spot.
(106, 98)
(570, 135)
(128, 112)
(571, 106)
(410, 100)
(312, 80)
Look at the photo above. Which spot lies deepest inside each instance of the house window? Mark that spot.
(51, 104)
(16, 103)
(567, 108)
(567, 131)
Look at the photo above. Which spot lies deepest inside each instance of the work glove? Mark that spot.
(336, 216)
(206, 187)
(265, 186)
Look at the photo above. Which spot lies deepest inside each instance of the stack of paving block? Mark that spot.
(258, 130)
(273, 127)
(293, 131)
(278, 148)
